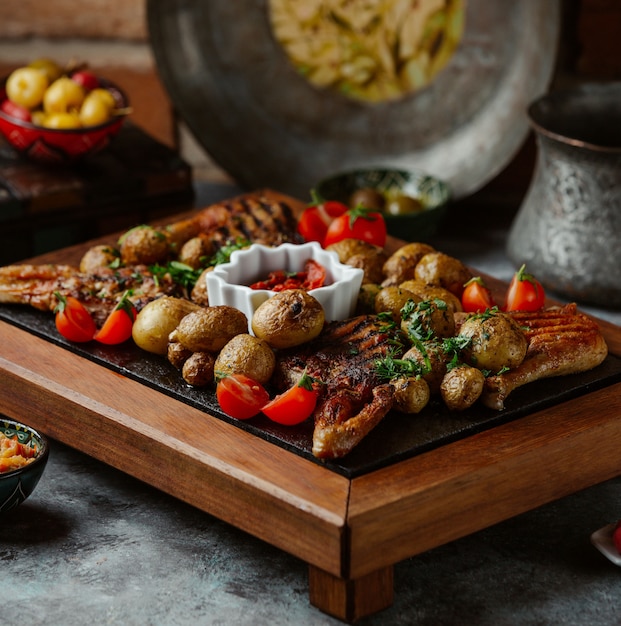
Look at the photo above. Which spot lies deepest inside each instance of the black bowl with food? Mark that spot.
(413, 203)
(23, 457)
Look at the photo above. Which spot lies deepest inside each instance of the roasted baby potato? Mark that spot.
(143, 245)
(196, 251)
(411, 394)
(245, 354)
(433, 361)
(97, 258)
(437, 268)
(393, 299)
(430, 292)
(157, 320)
(496, 341)
(177, 354)
(427, 319)
(210, 328)
(200, 293)
(401, 264)
(289, 318)
(198, 369)
(365, 304)
(363, 255)
(461, 387)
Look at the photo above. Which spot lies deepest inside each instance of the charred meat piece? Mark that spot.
(560, 341)
(37, 285)
(353, 399)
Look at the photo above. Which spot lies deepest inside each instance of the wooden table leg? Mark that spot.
(351, 599)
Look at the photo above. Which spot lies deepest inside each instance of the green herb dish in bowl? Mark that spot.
(23, 457)
(413, 203)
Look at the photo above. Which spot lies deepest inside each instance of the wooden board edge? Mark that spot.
(464, 487)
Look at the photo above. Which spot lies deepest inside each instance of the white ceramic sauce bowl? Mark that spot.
(228, 284)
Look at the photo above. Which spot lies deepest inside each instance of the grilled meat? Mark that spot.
(560, 341)
(256, 219)
(37, 285)
(353, 399)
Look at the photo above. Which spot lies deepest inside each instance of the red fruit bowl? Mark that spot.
(68, 145)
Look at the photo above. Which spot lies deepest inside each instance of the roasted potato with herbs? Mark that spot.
(433, 362)
(245, 354)
(401, 265)
(289, 318)
(431, 292)
(157, 320)
(496, 341)
(437, 268)
(411, 394)
(143, 245)
(461, 387)
(393, 299)
(97, 258)
(425, 319)
(198, 369)
(209, 329)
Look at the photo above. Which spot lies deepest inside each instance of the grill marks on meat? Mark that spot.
(36, 285)
(561, 341)
(353, 399)
(257, 219)
(253, 218)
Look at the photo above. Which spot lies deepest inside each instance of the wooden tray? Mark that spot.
(350, 530)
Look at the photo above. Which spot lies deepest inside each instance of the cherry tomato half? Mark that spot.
(294, 405)
(525, 292)
(359, 223)
(314, 221)
(476, 297)
(73, 321)
(240, 396)
(118, 326)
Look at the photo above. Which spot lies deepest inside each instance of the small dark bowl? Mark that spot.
(433, 194)
(66, 145)
(17, 485)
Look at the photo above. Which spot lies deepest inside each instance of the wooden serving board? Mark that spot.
(351, 530)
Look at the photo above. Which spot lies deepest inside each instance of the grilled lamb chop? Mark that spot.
(560, 341)
(353, 399)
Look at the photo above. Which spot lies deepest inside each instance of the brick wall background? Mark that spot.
(112, 36)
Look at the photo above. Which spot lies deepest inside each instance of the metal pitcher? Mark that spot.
(568, 229)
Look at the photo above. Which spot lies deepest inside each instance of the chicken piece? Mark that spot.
(353, 398)
(561, 341)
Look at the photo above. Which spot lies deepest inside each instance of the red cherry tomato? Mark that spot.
(314, 221)
(240, 396)
(73, 321)
(525, 292)
(616, 536)
(359, 223)
(476, 297)
(118, 326)
(294, 405)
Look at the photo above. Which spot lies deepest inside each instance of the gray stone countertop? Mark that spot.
(95, 546)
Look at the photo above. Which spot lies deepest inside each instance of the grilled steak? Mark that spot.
(560, 341)
(353, 399)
